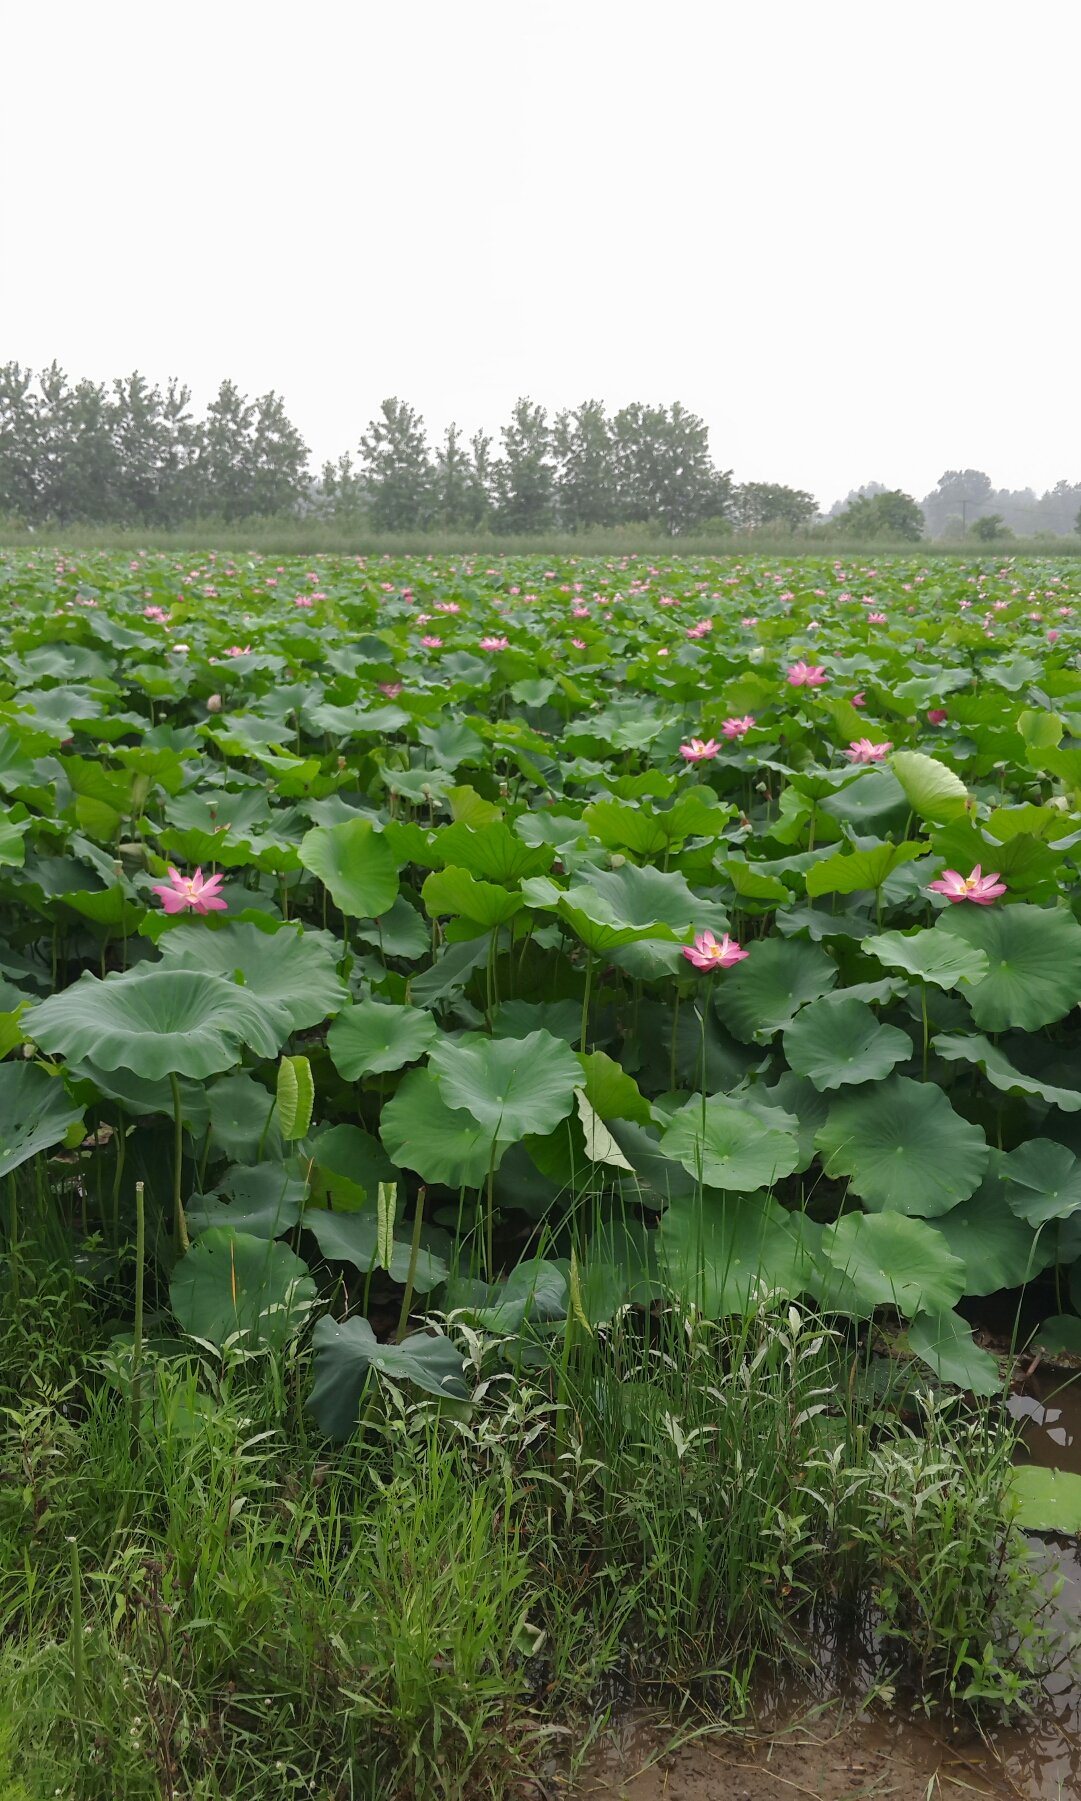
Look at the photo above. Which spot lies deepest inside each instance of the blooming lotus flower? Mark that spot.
(707, 952)
(1052, 636)
(806, 675)
(579, 643)
(699, 750)
(390, 689)
(735, 728)
(447, 606)
(301, 600)
(431, 643)
(183, 894)
(495, 643)
(876, 618)
(937, 715)
(977, 887)
(239, 650)
(861, 750)
(749, 622)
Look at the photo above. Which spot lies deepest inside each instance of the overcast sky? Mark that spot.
(844, 232)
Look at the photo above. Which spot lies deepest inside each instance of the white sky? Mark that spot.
(844, 232)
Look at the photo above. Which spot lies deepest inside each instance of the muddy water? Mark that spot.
(833, 1753)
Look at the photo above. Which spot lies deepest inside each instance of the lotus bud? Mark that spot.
(341, 762)
(616, 860)
(213, 704)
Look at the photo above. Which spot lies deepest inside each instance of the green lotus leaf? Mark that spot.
(759, 996)
(347, 1353)
(726, 1253)
(510, 1086)
(535, 1292)
(356, 866)
(903, 1147)
(973, 1047)
(851, 872)
(454, 891)
(1042, 1181)
(943, 1340)
(938, 957)
(264, 1199)
(1046, 1500)
(287, 967)
(354, 1238)
(1034, 963)
(932, 790)
(234, 1286)
(610, 1090)
(348, 1166)
(998, 1249)
(726, 1146)
(836, 1042)
(492, 852)
(445, 1144)
(36, 1112)
(374, 1036)
(157, 1022)
(243, 1122)
(893, 1261)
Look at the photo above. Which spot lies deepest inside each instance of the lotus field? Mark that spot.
(403, 946)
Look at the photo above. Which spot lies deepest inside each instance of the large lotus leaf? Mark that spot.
(760, 995)
(805, 1103)
(1042, 1181)
(348, 1166)
(449, 973)
(726, 1145)
(492, 852)
(658, 1178)
(288, 967)
(354, 1238)
(592, 915)
(157, 1022)
(998, 1249)
(1047, 1500)
(610, 1090)
(264, 1199)
(903, 1147)
(372, 1037)
(932, 790)
(942, 958)
(1034, 963)
(422, 1132)
(243, 1125)
(399, 933)
(347, 1352)
(973, 1047)
(456, 892)
(892, 1261)
(355, 864)
(852, 872)
(536, 1291)
(36, 1112)
(510, 1086)
(835, 1042)
(943, 1340)
(724, 1253)
(232, 1283)
(140, 1097)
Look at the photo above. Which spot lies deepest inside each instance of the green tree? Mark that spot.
(664, 472)
(277, 459)
(586, 491)
(891, 514)
(398, 473)
(523, 477)
(20, 428)
(961, 493)
(222, 482)
(990, 526)
(340, 489)
(758, 504)
(453, 499)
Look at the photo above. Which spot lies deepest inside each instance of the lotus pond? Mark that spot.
(428, 985)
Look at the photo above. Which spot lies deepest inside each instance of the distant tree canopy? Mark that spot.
(889, 514)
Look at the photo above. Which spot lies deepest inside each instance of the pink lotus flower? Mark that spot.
(735, 728)
(390, 689)
(579, 643)
(806, 675)
(301, 600)
(707, 952)
(861, 750)
(239, 650)
(749, 622)
(1052, 636)
(859, 700)
(182, 894)
(937, 715)
(447, 606)
(977, 887)
(699, 750)
(876, 618)
(495, 643)
(431, 643)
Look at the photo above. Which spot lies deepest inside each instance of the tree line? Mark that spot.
(132, 453)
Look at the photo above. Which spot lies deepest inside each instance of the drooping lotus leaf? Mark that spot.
(943, 1340)
(510, 1086)
(243, 1126)
(355, 864)
(456, 892)
(36, 1112)
(1042, 1181)
(374, 1036)
(535, 1292)
(932, 790)
(422, 1132)
(492, 851)
(727, 1146)
(998, 1248)
(725, 1253)
(945, 959)
(837, 1042)
(973, 1047)
(854, 871)
(157, 1022)
(287, 967)
(348, 1166)
(347, 1353)
(1034, 963)
(759, 996)
(610, 1090)
(894, 1261)
(234, 1286)
(354, 1238)
(264, 1199)
(903, 1147)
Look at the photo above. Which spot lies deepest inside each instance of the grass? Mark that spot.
(224, 1606)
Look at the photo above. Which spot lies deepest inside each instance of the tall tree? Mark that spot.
(959, 495)
(586, 491)
(398, 472)
(524, 474)
(278, 458)
(452, 488)
(223, 464)
(20, 429)
(888, 515)
(664, 470)
(758, 504)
